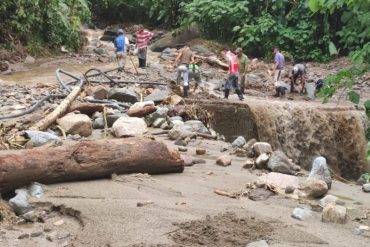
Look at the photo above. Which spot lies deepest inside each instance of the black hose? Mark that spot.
(100, 73)
(34, 106)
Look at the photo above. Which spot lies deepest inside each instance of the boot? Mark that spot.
(227, 91)
(186, 90)
(242, 89)
(277, 94)
(144, 62)
(239, 93)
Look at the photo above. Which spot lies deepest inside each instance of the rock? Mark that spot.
(320, 171)
(58, 223)
(239, 142)
(23, 236)
(262, 147)
(224, 160)
(174, 100)
(137, 111)
(181, 142)
(157, 96)
(279, 162)
(334, 214)
(200, 151)
(100, 51)
(161, 112)
(239, 152)
(40, 138)
(20, 203)
(249, 163)
(315, 188)
(158, 122)
(129, 126)
(30, 216)
(36, 234)
(176, 118)
(199, 161)
(366, 188)
(356, 231)
(301, 213)
(100, 92)
(261, 243)
(52, 236)
(76, 124)
(111, 119)
(249, 145)
(188, 161)
(4, 66)
(289, 190)
(260, 194)
(141, 105)
(29, 60)
(98, 123)
(182, 149)
(261, 161)
(364, 228)
(280, 180)
(197, 126)
(328, 199)
(123, 95)
(172, 39)
(361, 181)
(180, 132)
(165, 126)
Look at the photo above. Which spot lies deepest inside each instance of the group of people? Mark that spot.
(238, 66)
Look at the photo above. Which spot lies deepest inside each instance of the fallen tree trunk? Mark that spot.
(85, 160)
(59, 111)
(214, 61)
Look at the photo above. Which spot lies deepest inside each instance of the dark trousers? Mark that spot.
(232, 82)
(142, 63)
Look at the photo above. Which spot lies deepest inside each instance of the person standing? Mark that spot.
(142, 41)
(278, 69)
(185, 57)
(243, 63)
(121, 43)
(233, 73)
(299, 71)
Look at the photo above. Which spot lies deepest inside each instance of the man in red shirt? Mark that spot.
(233, 73)
(142, 41)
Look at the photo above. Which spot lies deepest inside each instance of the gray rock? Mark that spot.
(239, 142)
(30, 216)
(260, 194)
(188, 161)
(76, 124)
(98, 123)
(23, 236)
(20, 203)
(181, 142)
(165, 126)
(29, 60)
(161, 112)
(261, 243)
(366, 188)
(180, 132)
(111, 119)
(329, 199)
(36, 189)
(262, 160)
(320, 171)
(313, 187)
(289, 189)
(40, 138)
(182, 149)
(177, 118)
(36, 234)
(157, 96)
(197, 126)
(262, 147)
(158, 122)
(100, 51)
(129, 126)
(279, 162)
(123, 95)
(334, 214)
(301, 213)
(224, 160)
(199, 161)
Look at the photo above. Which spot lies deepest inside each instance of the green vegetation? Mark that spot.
(309, 29)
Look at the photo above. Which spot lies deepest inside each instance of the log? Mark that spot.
(86, 160)
(214, 61)
(142, 112)
(59, 111)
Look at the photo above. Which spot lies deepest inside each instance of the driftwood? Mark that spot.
(214, 61)
(225, 193)
(142, 112)
(86, 160)
(59, 111)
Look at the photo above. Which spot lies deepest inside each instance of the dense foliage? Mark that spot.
(307, 29)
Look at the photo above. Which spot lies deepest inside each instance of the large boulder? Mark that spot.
(173, 39)
(197, 126)
(279, 162)
(123, 95)
(73, 124)
(313, 187)
(129, 126)
(180, 131)
(40, 138)
(262, 147)
(157, 96)
(321, 171)
(239, 142)
(334, 214)
(20, 203)
(366, 187)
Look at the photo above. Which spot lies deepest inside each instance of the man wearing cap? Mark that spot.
(142, 41)
(243, 63)
(121, 43)
(299, 71)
